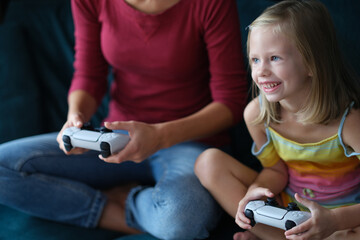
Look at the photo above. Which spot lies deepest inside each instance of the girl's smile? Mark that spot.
(269, 87)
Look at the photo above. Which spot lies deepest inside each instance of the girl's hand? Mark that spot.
(321, 224)
(74, 120)
(145, 139)
(252, 194)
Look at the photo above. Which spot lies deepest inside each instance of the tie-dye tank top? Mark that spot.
(327, 171)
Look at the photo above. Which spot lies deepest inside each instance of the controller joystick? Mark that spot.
(104, 140)
(104, 130)
(292, 207)
(87, 126)
(271, 202)
(269, 213)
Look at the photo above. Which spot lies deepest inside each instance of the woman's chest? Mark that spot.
(170, 43)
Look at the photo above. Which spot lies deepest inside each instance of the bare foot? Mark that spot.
(245, 236)
(113, 215)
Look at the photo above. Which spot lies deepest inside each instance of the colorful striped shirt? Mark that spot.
(327, 171)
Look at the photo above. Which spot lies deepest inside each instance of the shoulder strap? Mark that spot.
(344, 117)
(347, 153)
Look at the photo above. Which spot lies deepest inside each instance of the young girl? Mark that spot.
(305, 123)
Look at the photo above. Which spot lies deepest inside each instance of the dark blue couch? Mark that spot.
(36, 55)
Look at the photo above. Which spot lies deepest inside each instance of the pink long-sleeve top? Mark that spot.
(166, 66)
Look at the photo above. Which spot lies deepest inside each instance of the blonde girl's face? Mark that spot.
(277, 66)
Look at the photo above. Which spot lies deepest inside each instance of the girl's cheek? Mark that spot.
(254, 77)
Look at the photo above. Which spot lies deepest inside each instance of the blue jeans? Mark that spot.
(36, 177)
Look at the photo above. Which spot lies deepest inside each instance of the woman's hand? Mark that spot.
(74, 120)
(145, 139)
(321, 224)
(252, 194)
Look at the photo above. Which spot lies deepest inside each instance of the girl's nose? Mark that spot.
(263, 70)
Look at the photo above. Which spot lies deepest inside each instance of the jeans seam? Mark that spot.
(96, 210)
(128, 215)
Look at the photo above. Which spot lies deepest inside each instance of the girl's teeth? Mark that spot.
(271, 85)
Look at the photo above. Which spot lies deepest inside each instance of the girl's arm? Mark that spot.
(348, 217)
(271, 180)
(277, 174)
(351, 130)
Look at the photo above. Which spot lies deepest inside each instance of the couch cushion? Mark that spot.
(19, 226)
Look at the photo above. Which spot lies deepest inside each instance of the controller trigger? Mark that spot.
(250, 215)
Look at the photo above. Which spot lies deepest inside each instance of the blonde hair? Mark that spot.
(333, 86)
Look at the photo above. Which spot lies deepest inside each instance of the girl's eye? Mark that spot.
(275, 58)
(255, 60)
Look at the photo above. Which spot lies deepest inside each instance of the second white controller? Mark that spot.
(269, 213)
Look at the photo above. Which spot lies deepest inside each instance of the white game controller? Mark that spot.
(103, 140)
(269, 213)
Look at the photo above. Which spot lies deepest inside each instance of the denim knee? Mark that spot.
(14, 154)
(180, 212)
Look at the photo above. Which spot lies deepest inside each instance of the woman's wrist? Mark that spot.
(166, 135)
(81, 104)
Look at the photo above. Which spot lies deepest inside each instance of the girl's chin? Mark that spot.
(272, 98)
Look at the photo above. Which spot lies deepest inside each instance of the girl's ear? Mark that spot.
(310, 74)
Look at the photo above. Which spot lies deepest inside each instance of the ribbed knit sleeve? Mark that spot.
(90, 66)
(223, 40)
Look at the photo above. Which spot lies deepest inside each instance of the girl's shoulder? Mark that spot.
(256, 130)
(252, 110)
(351, 130)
